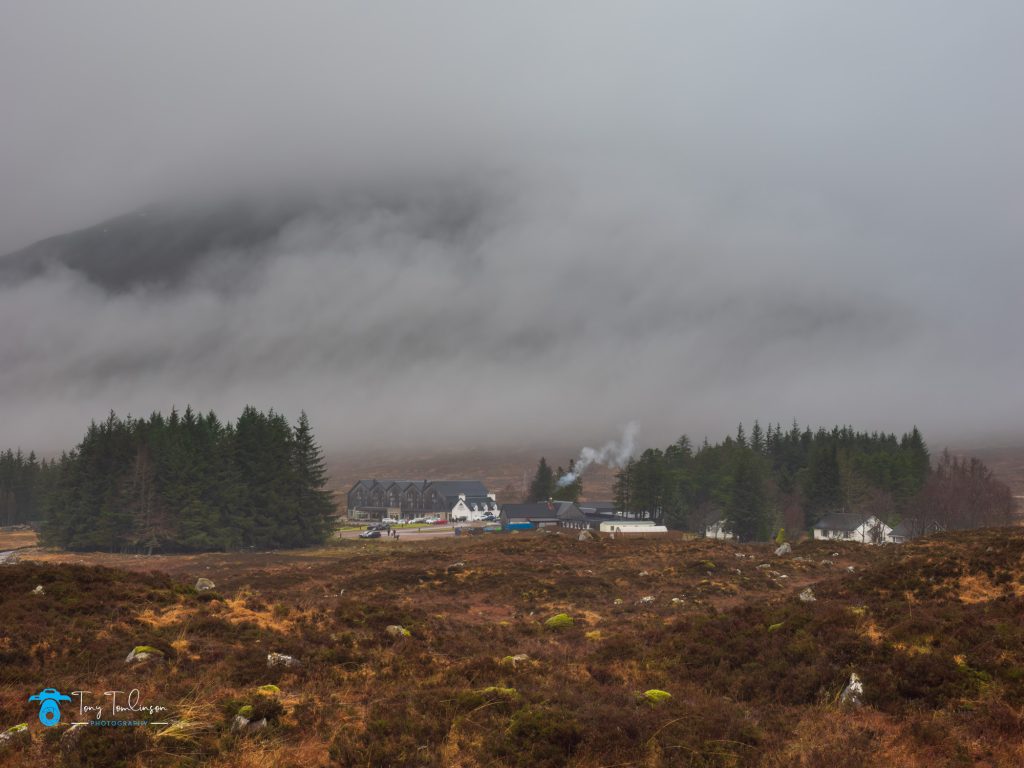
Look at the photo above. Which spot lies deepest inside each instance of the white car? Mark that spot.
(418, 520)
(390, 521)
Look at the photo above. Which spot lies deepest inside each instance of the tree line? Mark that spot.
(184, 483)
(790, 479)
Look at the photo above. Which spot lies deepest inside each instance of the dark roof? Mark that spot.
(911, 527)
(455, 487)
(598, 505)
(841, 521)
(542, 510)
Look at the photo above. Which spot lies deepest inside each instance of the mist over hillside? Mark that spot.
(677, 214)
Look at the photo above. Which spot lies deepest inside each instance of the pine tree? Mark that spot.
(543, 484)
(747, 510)
(315, 503)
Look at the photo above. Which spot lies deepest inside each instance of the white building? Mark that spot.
(631, 526)
(850, 526)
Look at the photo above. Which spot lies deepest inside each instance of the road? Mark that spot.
(423, 533)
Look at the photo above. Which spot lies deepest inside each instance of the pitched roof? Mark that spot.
(543, 510)
(842, 521)
(455, 487)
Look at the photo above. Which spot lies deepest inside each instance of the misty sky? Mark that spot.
(571, 215)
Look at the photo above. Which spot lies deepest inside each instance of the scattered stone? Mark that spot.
(15, 736)
(763, 566)
(71, 737)
(853, 692)
(647, 599)
(834, 554)
(586, 536)
(397, 631)
(456, 568)
(677, 601)
(617, 601)
(850, 569)
(559, 621)
(282, 660)
(807, 596)
(39, 590)
(9, 558)
(785, 549)
(737, 571)
(202, 585)
(656, 696)
(827, 562)
(242, 724)
(515, 661)
(644, 574)
(143, 653)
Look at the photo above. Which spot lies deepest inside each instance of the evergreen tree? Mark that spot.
(747, 509)
(543, 485)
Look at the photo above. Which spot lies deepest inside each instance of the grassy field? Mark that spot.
(934, 629)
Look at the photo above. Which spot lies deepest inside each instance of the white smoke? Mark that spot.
(611, 454)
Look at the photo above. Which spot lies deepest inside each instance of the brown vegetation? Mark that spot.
(934, 629)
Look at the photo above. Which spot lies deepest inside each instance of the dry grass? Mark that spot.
(754, 673)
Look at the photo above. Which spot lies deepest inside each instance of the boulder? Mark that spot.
(617, 601)
(202, 585)
(242, 724)
(39, 590)
(586, 536)
(785, 549)
(515, 661)
(853, 693)
(144, 653)
(70, 739)
(807, 596)
(397, 631)
(282, 660)
(647, 600)
(15, 736)
(9, 558)
(456, 568)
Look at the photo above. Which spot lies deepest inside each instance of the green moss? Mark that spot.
(146, 649)
(775, 627)
(270, 689)
(17, 728)
(707, 565)
(656, 696)
(245, 711)
(559, 621)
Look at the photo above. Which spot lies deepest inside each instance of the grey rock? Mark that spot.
(785, 549)
(456, 567)
(850, 569)
(39, 590)
(397, 631)
(586, 536)
(243, 724)
(282, 660)
(15, 736)
(807, 596)
(9, 558)
(143, 653)
(70, 739)
(647, 600)
(853, 693)
(203, 585)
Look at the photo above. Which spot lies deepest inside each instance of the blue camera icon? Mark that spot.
(49, 706)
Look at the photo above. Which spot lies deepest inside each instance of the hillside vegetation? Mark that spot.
(442, 653)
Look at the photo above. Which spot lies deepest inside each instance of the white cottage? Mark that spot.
(850, 526)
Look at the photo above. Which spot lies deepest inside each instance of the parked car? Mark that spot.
(418, 520)
(370, 534)
(488, 516)
(390, 521)
(437, 521)
(378, 527)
